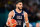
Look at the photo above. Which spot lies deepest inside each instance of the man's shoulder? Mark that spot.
(11, 12)
(25, 13)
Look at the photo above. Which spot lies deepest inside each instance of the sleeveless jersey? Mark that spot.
(19, 17)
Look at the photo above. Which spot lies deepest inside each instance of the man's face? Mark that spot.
(19, 5)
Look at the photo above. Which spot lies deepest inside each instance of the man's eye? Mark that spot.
(20, 4)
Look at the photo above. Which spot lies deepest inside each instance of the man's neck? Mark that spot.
(19, 11)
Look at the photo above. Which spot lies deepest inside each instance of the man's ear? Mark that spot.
(16, 5)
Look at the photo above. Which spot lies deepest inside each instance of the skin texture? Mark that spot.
(37, 24)
(11, 14)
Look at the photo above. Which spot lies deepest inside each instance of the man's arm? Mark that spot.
(9, 17)
(26, 19)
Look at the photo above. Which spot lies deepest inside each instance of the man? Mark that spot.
(19, 15)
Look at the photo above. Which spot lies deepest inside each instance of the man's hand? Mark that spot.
(11, 24)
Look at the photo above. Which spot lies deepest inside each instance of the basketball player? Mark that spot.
(19, 15)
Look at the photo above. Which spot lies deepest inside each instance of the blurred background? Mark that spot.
(32, 7)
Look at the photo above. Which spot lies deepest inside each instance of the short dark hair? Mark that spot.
(18, 2)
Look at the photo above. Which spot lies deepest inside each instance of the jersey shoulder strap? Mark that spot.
(14, 13)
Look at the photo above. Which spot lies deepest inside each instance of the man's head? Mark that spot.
(19, 5)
